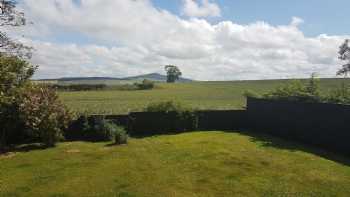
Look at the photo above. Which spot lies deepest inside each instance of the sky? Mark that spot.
(206, 39)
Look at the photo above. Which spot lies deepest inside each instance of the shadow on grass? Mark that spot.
(267, 140)
(155, 134)
(112, 144)
(24, 148)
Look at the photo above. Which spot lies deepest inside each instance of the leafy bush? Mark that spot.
(43, 114)
(249, 93)
(121, 136)
(167, 106)
(184, 115)
(28, 113)
(93, 128)
(145, 85)
(77, 129)
(340, 95)
(14, 79)
(297, 91)
(99, 129)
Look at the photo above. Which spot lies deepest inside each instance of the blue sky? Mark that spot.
(207, 39)
(320, 16)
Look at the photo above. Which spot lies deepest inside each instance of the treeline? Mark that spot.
(144, 85)
(79, 87)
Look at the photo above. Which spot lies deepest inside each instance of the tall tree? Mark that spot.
(344, 54)
(9, 16)
(173, 73)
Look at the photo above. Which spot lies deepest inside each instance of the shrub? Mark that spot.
(185, 117)
(297, 91)
(99, 129)
(340, 95)
(44, 115)
(14, 79)
(93, 128)
(121, 136)
(249, 93)
(145, 85)
(78, 129)
(167, 106)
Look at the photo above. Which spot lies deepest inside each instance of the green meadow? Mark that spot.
(199, 95)
(191, 164)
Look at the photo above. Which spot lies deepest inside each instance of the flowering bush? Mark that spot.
(44, 115)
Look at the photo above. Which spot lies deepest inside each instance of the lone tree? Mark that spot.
(344, 54)
(173, 73)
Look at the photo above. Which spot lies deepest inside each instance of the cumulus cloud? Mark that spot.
(200, 8)
(296, 21)
(133, 37)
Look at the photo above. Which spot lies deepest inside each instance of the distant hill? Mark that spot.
(154, 77)
(111, 80)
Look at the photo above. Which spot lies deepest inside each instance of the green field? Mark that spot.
(191, 164)
(200, 95)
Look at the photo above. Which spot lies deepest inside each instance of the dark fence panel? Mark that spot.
(121, 120)
(148, 123)
(325, 125)
(222, 119)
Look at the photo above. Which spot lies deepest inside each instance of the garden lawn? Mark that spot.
(190, 164)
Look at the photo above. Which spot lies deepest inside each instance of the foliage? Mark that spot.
(28, 111)
(339, 95)
(14, 79)
(121, 136)
(145, 85)
(100, 129)
(9, 16)
(344, 54)
(44, 115)
(250, 93)
(94, 128)
(77, 129)
(184, 115)
(173, 73)
(298, 91)
(79, 87)
(166, 106)
(25, 110)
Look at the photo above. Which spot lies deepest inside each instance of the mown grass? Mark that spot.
(191, 164)
(200, 95)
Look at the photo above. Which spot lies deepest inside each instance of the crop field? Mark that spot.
(199, 95)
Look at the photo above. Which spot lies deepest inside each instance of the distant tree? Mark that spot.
(9, 16)
(344, 54)
(173, 73)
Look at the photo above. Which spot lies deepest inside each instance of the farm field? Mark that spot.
(190, 164)
(200, 95)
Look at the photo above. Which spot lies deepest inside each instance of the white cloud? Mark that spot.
(296, 21)
(200, 8)
(133, 37)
